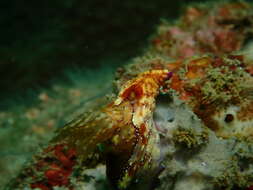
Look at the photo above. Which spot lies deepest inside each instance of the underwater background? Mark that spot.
(58, 56)
(40, 40)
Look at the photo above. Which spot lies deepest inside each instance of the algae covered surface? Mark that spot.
(26, 128)
(56, 58)
(178, 116)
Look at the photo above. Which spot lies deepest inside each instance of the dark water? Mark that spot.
(40, 39)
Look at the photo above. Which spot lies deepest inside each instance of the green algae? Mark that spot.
(189, 138)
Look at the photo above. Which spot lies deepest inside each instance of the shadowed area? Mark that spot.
(41, 39)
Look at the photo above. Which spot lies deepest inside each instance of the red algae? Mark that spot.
(222, 29)
(57, 167)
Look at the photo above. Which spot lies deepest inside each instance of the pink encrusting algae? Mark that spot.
(223, 29)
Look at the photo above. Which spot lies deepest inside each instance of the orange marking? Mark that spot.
(176, 83)
(134, 89)
(142, 131)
